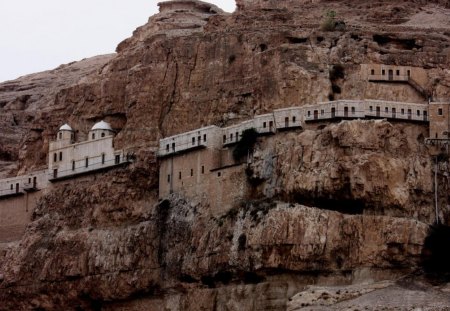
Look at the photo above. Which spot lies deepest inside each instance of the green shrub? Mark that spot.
(245, 144)
(329, 24)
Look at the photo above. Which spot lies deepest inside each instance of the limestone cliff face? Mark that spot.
(372, 167)
(332, 203)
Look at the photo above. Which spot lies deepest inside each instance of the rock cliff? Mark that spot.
(332, 204)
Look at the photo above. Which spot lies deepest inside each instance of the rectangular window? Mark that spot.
(440, 112)
(398, 72)
(237, 136)
(167, 147)
(173, 146)
(204, 138)
(309, 113)
(12, 187)
(29, 180)
(264, 125)
(73, 165)
(408, 73)
(168, 178)
(372, 72)
(93, 136)
(224, 139)
(117, 159)
(86, 162)
(386, 109)
(203, 169)
(103, 158)
(418, 113)
(383, 72)
(199, 140)
(192, 172)
(179, 175)
(60, 156)
(353, 110)
(293, 119)
(55, 157)
(231, 137)
(403, 111)
(193, 141)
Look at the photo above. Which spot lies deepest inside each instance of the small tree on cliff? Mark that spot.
(246, 144)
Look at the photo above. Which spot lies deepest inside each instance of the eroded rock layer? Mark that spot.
(331, 204)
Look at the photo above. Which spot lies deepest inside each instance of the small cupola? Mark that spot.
(100, 130)
(65, 132)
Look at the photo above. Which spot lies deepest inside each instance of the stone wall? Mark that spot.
(15, 215)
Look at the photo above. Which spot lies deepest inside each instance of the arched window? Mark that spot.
(103, 134)
(93, 135)
(60, 156)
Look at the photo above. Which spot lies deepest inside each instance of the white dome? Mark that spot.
(102, 125)
(65, 127)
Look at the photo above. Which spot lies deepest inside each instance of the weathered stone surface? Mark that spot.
(103, 241)
(372, 167)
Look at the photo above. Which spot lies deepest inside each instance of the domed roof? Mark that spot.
(65, 127)
(102, 125)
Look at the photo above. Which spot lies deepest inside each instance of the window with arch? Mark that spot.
(93, 135)
(103, 134)
(60, 156)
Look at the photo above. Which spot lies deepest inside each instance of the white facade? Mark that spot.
(201, 138)
(293, 117)
(67, 158)
(232, 134)
(25, 183)
(288, 117)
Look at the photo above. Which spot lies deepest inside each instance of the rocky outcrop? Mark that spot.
(356, 167)
(71, 243)
(333, 203)
(23, 141)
